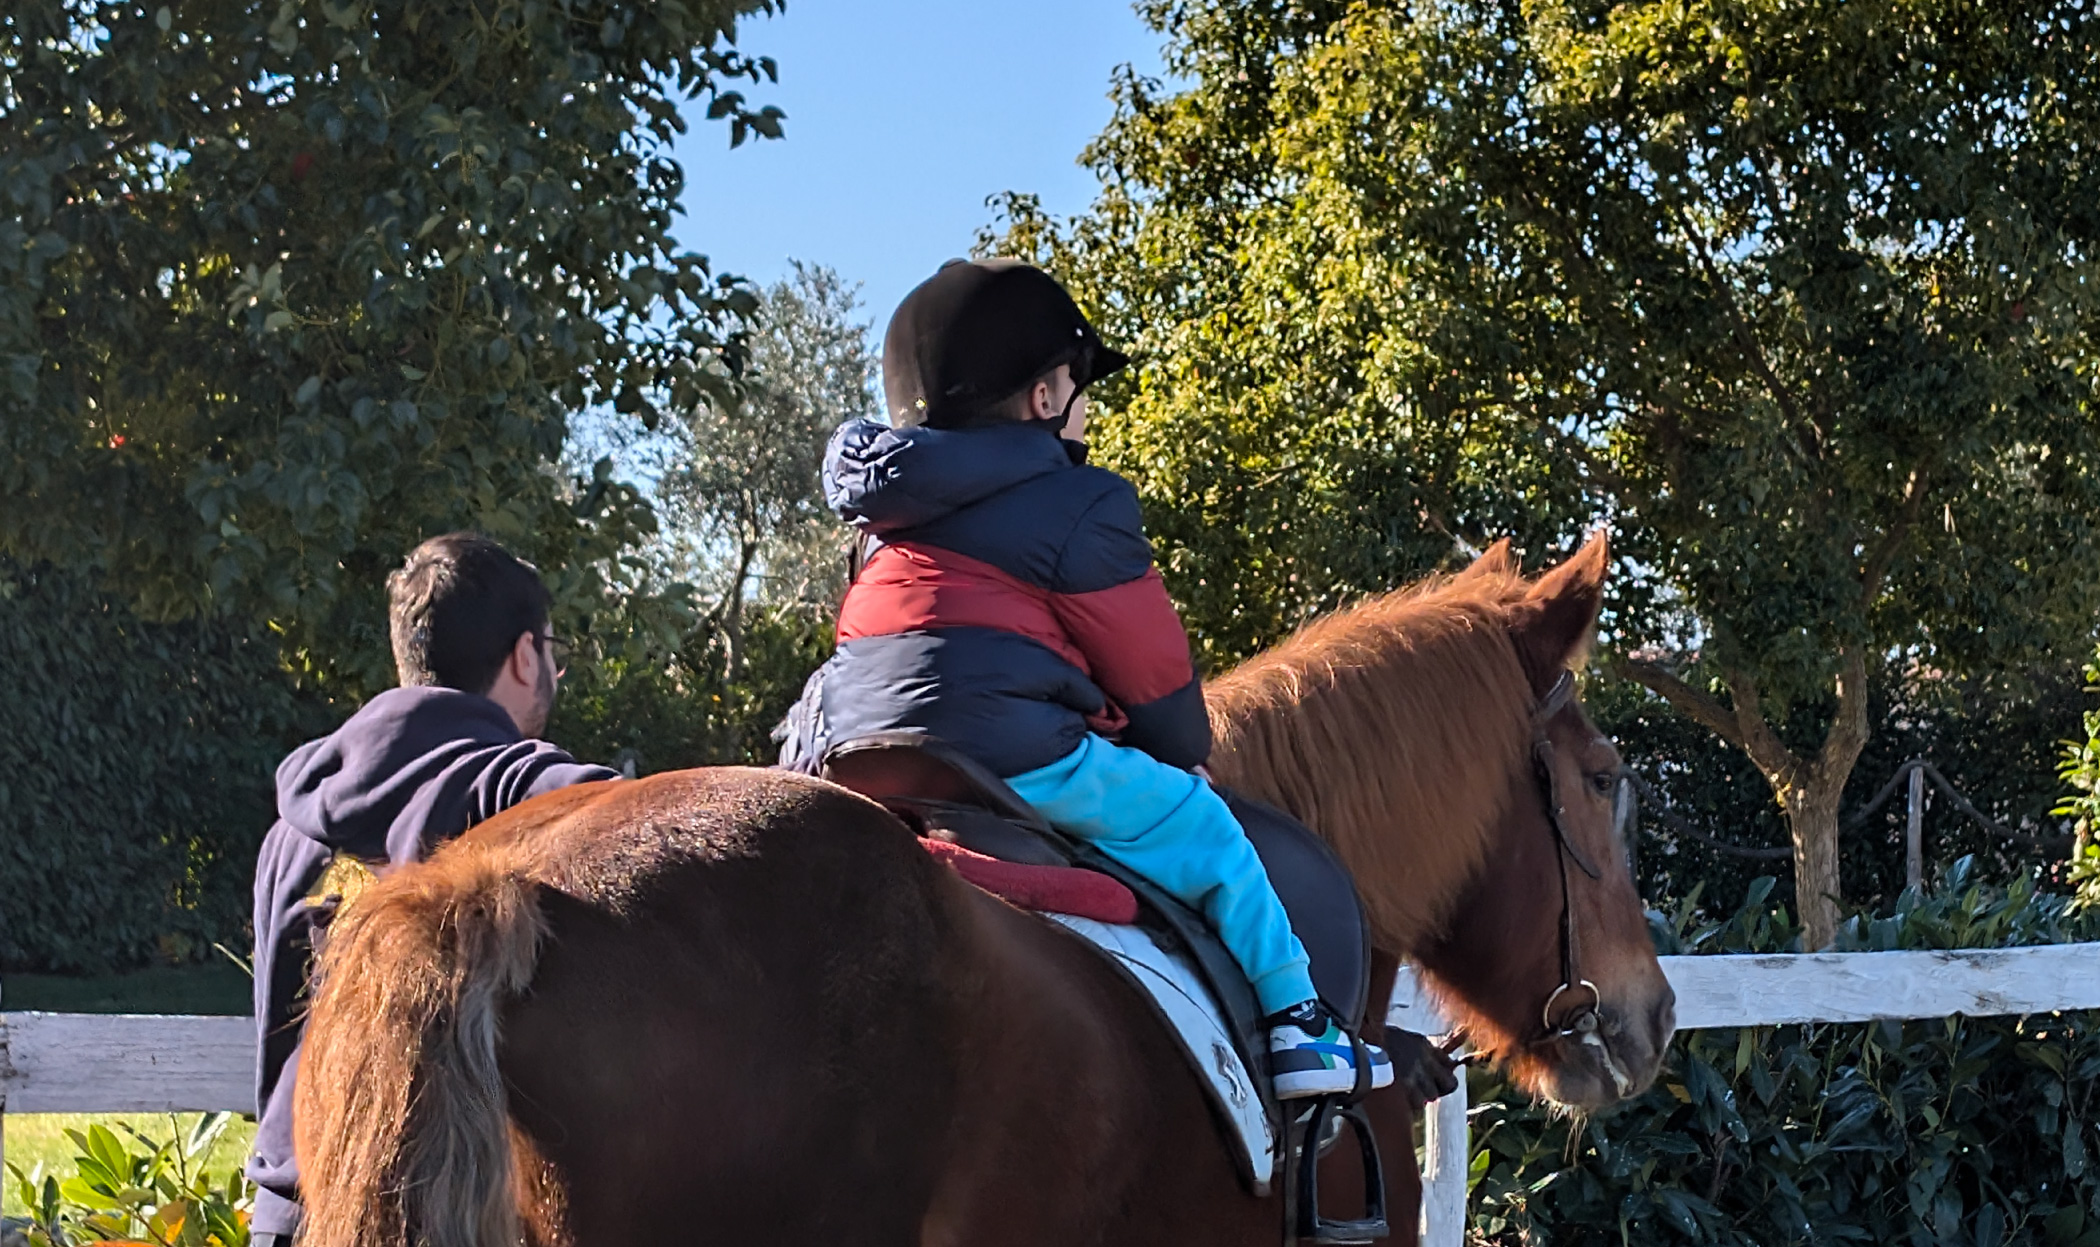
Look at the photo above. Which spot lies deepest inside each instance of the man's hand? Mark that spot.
(1419, 1066)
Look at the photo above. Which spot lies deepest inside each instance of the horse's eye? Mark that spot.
(1603, 782)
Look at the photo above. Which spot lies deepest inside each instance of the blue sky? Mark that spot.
(902, 116)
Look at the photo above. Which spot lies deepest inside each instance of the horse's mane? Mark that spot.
(1429, 670)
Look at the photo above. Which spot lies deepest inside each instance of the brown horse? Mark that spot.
(742, 1006)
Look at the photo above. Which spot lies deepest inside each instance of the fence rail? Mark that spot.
(87, 1063)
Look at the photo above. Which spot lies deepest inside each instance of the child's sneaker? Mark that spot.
(1309, 1055)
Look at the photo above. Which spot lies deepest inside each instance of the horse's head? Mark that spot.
(1433, 737)
(1545, 954)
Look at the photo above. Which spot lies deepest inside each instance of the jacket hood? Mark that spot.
(351, 786)
(881, 479)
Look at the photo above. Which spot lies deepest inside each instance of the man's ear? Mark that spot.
(525, 659)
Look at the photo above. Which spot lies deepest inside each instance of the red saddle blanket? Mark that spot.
(1047, 889)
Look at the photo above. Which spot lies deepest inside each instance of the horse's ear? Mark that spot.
(1495, 561)
(1560, 610)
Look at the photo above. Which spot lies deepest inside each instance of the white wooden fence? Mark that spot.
(84, 1063)
(1780, 990)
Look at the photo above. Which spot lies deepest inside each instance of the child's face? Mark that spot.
(1050, 397)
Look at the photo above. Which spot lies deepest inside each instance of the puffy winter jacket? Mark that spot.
(1008, 604)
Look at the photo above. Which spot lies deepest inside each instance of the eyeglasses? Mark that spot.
(558, 652)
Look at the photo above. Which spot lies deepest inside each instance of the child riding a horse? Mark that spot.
(1007, 603)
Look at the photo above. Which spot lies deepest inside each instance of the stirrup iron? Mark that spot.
(1306, 1133)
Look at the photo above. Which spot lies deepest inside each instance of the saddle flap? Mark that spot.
(916, 768)
(1320, 896)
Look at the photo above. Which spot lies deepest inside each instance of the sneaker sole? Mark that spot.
(1302, 1084)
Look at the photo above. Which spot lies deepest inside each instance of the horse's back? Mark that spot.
(760, 1011)
(728, 1032)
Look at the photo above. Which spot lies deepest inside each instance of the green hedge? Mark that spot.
(1963, 1132)
(137, 761)
(136, 766)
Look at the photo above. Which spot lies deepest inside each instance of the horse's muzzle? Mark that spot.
(1597, 1069)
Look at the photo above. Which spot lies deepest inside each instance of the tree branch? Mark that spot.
(1849, 730)
(1753, 350)
(1693, 703)
(1779, 763)
(1883, 556)
(1742, 725)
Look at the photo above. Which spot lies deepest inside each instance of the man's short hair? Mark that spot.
(457, 607)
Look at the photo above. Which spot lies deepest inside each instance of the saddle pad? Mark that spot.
(1177, 991)
(1045, 889)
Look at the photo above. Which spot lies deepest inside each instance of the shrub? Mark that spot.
(137, 1191)
(684, 711)
(136, 765)
(2080, 772)
(1958, 1131)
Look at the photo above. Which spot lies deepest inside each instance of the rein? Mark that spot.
(1582, 1022)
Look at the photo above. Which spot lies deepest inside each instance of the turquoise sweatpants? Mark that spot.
(1173, 829)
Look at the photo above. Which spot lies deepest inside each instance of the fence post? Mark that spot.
(1445, 1146)
(1444, 1175)
(1914, 833)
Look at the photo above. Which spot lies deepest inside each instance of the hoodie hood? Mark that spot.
(356, 788)
(881, 479)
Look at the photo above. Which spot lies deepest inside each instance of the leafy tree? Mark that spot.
(285, 287)
(1797, 298)
(745, 521)
(742, 493)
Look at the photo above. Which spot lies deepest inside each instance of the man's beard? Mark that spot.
(542, 702)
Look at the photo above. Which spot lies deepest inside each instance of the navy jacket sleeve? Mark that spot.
(529, 769)
(1114, 605)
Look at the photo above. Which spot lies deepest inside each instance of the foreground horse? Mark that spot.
(741, 1006)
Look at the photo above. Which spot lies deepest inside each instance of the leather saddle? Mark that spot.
(950, 796)
(944, 794)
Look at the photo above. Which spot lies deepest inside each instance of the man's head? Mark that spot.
(465, 613)
(977, 342)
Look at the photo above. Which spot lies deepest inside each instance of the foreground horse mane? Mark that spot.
(1432, 664)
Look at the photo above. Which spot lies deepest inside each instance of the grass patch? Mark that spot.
(40, 1138)
(218, 987)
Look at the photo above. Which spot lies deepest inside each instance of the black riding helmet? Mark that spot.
(978, 332)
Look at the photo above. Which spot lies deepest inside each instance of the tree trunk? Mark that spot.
(733, 640)
(1812, 821)
(1809, 790)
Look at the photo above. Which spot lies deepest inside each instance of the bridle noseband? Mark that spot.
(1582, 1023)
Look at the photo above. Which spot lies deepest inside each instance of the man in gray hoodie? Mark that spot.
(418, 765)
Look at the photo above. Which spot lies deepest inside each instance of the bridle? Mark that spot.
(1582, 1023)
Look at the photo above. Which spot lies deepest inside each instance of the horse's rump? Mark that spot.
(704, 952)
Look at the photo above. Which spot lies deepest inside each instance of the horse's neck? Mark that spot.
(1408, 799)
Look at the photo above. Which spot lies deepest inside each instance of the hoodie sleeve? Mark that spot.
(528, 769)
(1115, 607)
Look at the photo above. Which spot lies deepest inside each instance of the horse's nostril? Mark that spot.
(1665, 1018)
